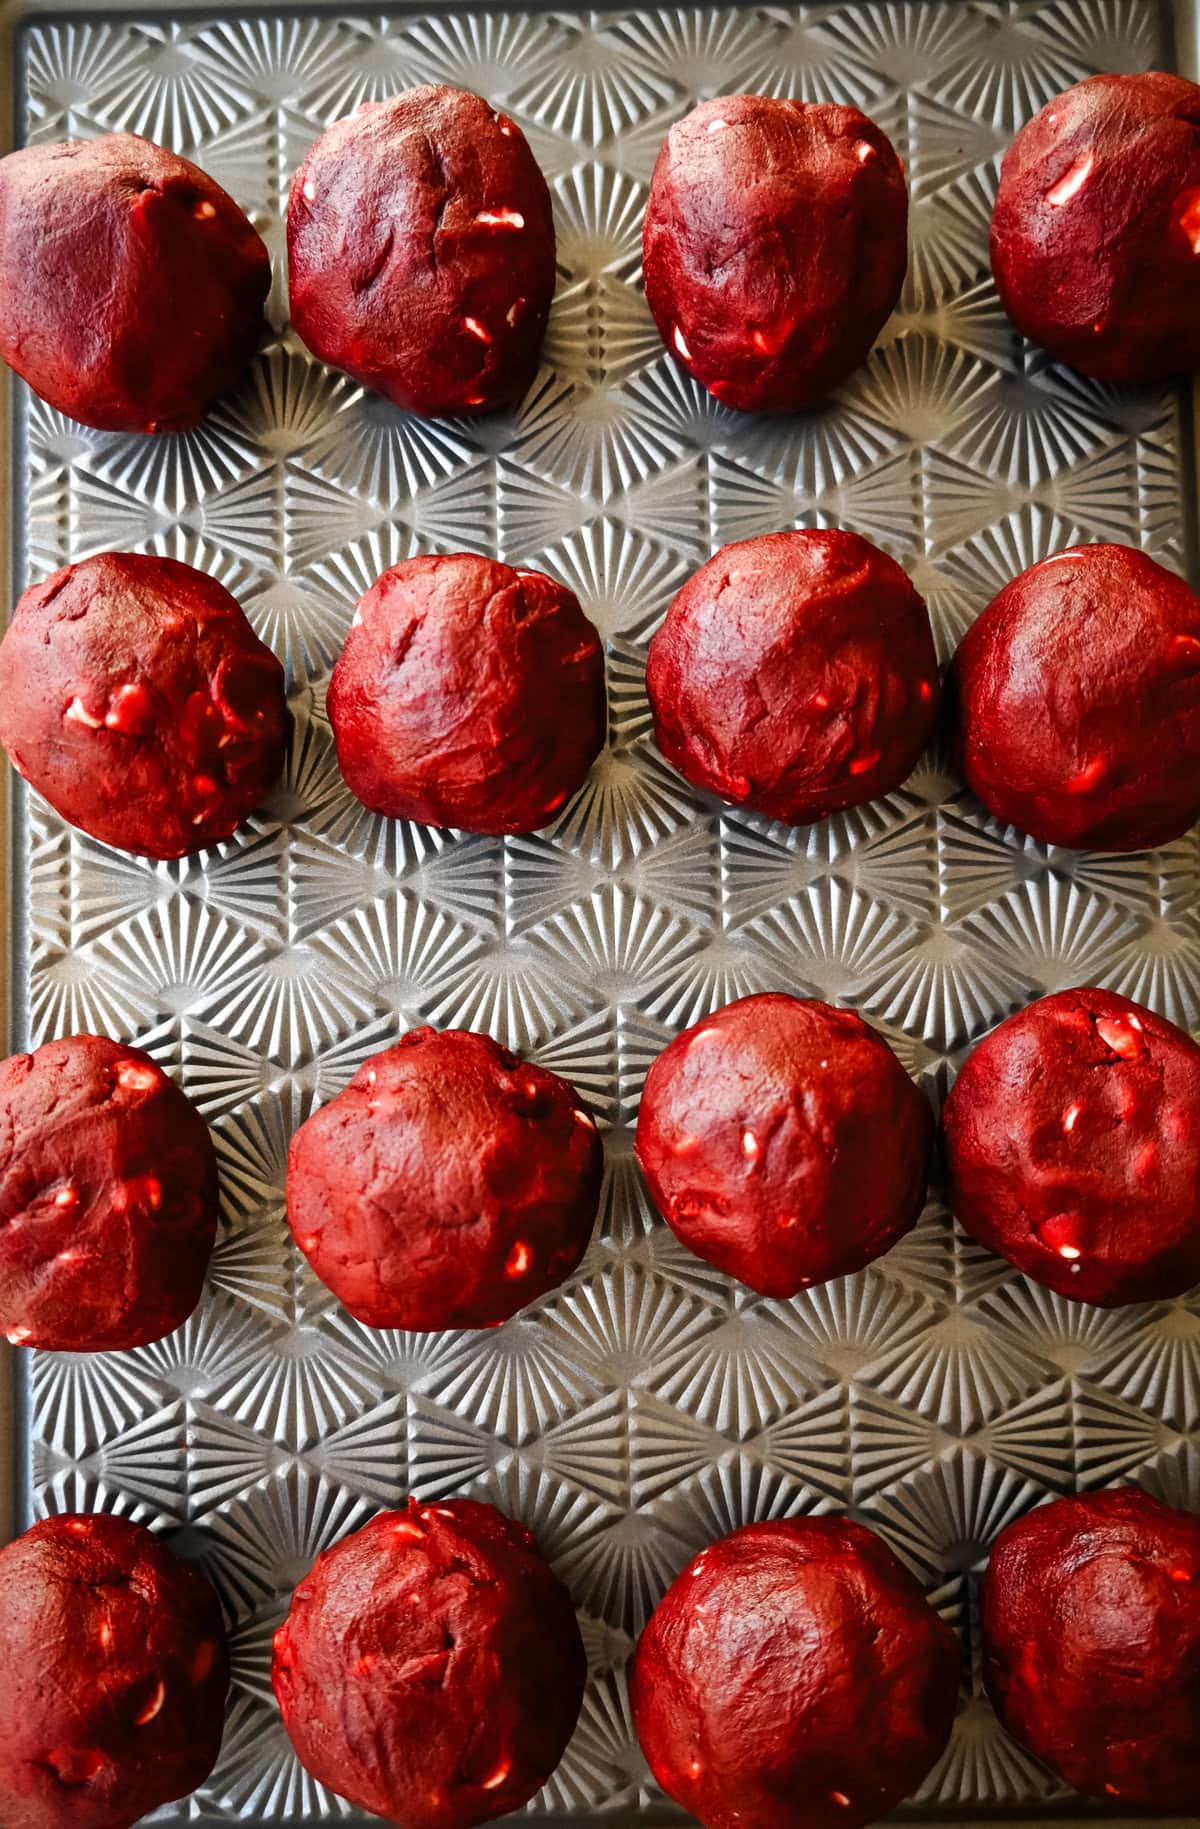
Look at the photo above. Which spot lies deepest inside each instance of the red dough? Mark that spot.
(468, 694)
(1090, 1612)
(131, 285)
(1073, 1148)
(1079, 701)
(449, 1185)
(784, 1142)
(421, 251)
(431, 1668)
(794, 1677)
(108, 1198)
(113, 1684)
(774, 246)
(1096, 230)
(795, 674)
(140, 703)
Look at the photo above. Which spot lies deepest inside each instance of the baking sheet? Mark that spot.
(650, 1404)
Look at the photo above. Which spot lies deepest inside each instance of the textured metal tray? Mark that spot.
(650, 1404)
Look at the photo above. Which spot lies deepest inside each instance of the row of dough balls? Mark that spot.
(431, 1668)
(794, 675)
(421, 253)
(450, 1184)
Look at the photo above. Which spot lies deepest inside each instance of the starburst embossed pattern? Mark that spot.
(649, 1404)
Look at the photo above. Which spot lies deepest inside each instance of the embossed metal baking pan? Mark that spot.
(650, 1404)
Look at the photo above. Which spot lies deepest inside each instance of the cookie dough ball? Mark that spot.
(112, 1689)
(1073, 1148)
(131, 285)
(1096, 229)
(108, 1198)
(1090, 1612)
(795, 674)
(468, 694)
(774, 246)
(784, 1142)
(431, 1668)
(449, 1185)
(421, 251)
(1078, 701)
(141, 704)
(794, 1677)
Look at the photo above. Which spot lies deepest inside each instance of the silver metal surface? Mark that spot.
(650, 1404)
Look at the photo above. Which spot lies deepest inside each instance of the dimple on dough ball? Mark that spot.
(1078, 701)
(795, 674)
(141, 704)
(468, 694)
(421, 251)
(449, 1185)
(431, 1669)
(774, 246)
(1096, 229)
(131, 285)
(1073, 1148)
(1090, 1614)
(784, 1142)
(794, 1677)
(108, 1198)
(112, 1690)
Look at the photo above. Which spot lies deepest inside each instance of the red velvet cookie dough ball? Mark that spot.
(784, 1142)
(140, 703)
(113, 1683)
(1096, 229)
(795, 674)
(794, 1677)
(449, 1185)
(1078, 701)
(131, 285)
(1073, 1148)
(1090, 1612)
(421, 251)
(774, 246)
(108, 1198)
(431, 1668)
(468, 694)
